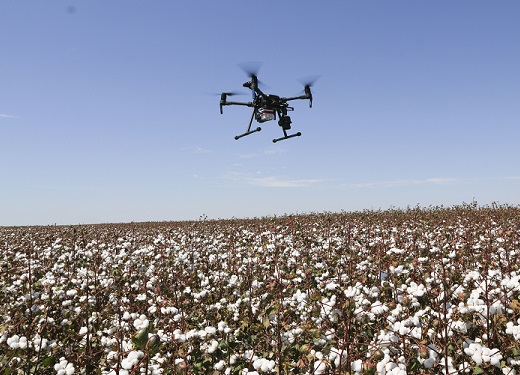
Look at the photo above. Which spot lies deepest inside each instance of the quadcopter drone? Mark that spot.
(266, 107)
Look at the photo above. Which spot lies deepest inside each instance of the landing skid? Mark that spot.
(287, 137)
(247, 133)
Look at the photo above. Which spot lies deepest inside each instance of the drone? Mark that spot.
(267, 106)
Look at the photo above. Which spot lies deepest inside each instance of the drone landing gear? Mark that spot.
(285, 124)
(287, 137)
(247, 133)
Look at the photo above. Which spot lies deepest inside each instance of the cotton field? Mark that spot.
(419, 291)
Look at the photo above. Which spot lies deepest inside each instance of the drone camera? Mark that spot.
(285, 122)
(264, 115)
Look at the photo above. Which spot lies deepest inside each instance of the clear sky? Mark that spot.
(105, 114)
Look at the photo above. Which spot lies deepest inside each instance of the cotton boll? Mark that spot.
(127, 364)
(320, 367)
(378, 308)
(213, 346)
(141, 322)
(357, 366)
(268, 365)
(22, 344)
(13, 342)
(219, 365)
(69, 370)
(64, 367)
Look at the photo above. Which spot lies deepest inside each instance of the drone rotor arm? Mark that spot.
(294, 98)
(248, 104)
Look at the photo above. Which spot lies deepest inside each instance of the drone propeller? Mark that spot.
(251, 68)
(307, 83)
(230, 93)
(310, 80)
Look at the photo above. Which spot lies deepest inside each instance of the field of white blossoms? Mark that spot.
(417, 291)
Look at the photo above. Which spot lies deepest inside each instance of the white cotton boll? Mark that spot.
(390, 366)
(152, 309)
(495, 359)
(221, 326)
(514, 330)
(177, 317)
(267, 365)
(22, 344)
(202, 334)
(477, 357)
(126, 315)
(57, 367)
(319, 367)
(141, 322)
(357, 366)
(416, 333)
(13, 342)
(213, 346)
(69, 370)
(83, 331)
(219, 365)
(127, 364)
(378, 308)
(351, 292)
(210, 330)
(470, 350)
(397, 371)
(257, 364)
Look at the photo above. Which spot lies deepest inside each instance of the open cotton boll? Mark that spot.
(263, 364)
(378, 308)
(13, 341)
(219, 365)
(320, 367)
(357, 366)
(64, 367)
(213, 346)
(141, 322)
(513, 329)
(22, 343)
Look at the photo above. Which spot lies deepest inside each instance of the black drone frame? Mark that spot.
(261, 101)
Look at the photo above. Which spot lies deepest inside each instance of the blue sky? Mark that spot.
(105, 114)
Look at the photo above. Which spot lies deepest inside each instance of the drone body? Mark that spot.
(267, 107)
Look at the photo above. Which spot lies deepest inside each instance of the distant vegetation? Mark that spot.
(417, 291)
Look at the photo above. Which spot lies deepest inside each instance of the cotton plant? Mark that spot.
(195, 294)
